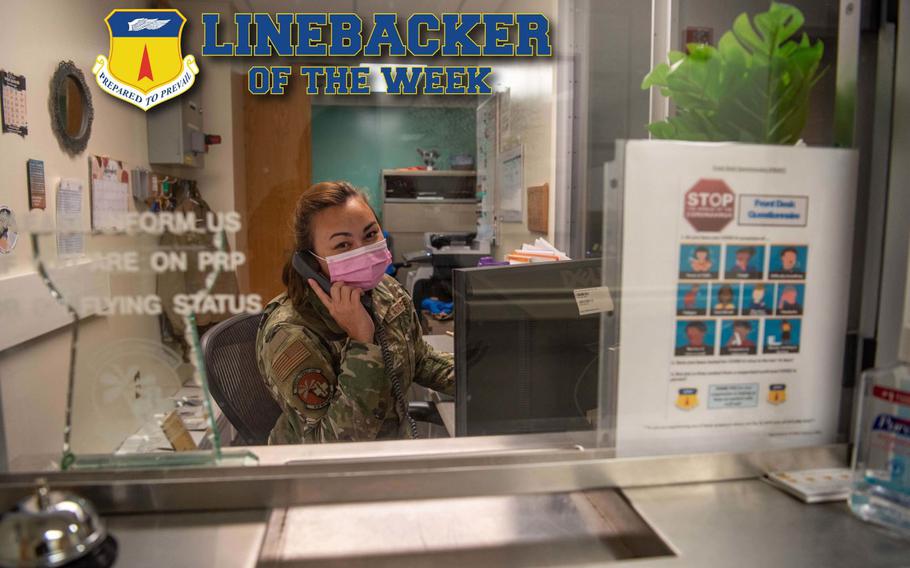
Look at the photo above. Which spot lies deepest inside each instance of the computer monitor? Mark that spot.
(525, 359)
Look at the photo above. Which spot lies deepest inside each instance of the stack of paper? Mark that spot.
(540, 251)
(813, 485)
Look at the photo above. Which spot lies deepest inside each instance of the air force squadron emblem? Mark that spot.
(146, 66)
(687, 399)
(777, 394)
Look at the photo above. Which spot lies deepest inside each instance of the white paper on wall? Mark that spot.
(69, 218)
(110, 190)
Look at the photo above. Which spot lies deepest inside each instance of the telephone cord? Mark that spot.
(396, 383)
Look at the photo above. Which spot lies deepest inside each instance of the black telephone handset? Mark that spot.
(306, 271)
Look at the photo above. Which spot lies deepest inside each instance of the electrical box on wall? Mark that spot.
(175, 134)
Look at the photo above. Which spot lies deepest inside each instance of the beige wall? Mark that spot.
(531, 119)
(33, 374)
(41, 35)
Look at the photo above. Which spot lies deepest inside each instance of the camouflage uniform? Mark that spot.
(334, 388)
(190, 281)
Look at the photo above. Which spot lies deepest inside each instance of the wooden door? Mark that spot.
(277, 163)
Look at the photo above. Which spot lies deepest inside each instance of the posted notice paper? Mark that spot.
(735, 275)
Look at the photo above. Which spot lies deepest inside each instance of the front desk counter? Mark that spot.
(739, 524)
(510, 516)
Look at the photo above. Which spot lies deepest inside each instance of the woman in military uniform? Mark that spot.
(320, 351)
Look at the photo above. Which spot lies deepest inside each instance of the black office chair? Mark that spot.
(229, 350)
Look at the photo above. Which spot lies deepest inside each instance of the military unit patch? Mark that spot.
(145, 66)
(313, 389)
(289, 359)
(777, 394)
(687, 398)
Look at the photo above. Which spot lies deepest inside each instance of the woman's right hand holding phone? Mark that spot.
(344, 305)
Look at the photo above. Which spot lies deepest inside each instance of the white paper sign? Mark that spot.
(110, 192)
(110, 200)
(593, 300)
(735, 275)
(69, 218)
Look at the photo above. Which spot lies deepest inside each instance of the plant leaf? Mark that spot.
(754, 86)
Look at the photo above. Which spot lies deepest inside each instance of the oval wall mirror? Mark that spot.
(71, 108)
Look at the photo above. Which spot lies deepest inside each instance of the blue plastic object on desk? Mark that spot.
(436, 306)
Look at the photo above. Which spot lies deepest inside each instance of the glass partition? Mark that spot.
(637, 242)
(133, 295)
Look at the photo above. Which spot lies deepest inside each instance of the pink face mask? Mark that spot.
(362, 267)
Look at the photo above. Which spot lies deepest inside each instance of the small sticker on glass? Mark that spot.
(593, 300)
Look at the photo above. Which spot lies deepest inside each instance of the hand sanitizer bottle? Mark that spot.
(881, 455)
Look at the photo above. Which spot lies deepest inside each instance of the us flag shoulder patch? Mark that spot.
(289, 359)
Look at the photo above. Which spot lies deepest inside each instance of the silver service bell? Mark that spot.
(51, 529)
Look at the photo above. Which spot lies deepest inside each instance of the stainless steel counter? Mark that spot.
(736, 523)
(749, 523)
(503, 501)
(191, 540)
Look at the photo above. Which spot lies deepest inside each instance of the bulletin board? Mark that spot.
(539, 208)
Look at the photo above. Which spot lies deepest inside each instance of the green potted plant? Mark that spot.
(753, 87)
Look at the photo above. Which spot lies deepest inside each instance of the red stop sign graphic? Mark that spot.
(709, 205)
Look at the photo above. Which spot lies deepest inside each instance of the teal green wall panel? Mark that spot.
(354, 143)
